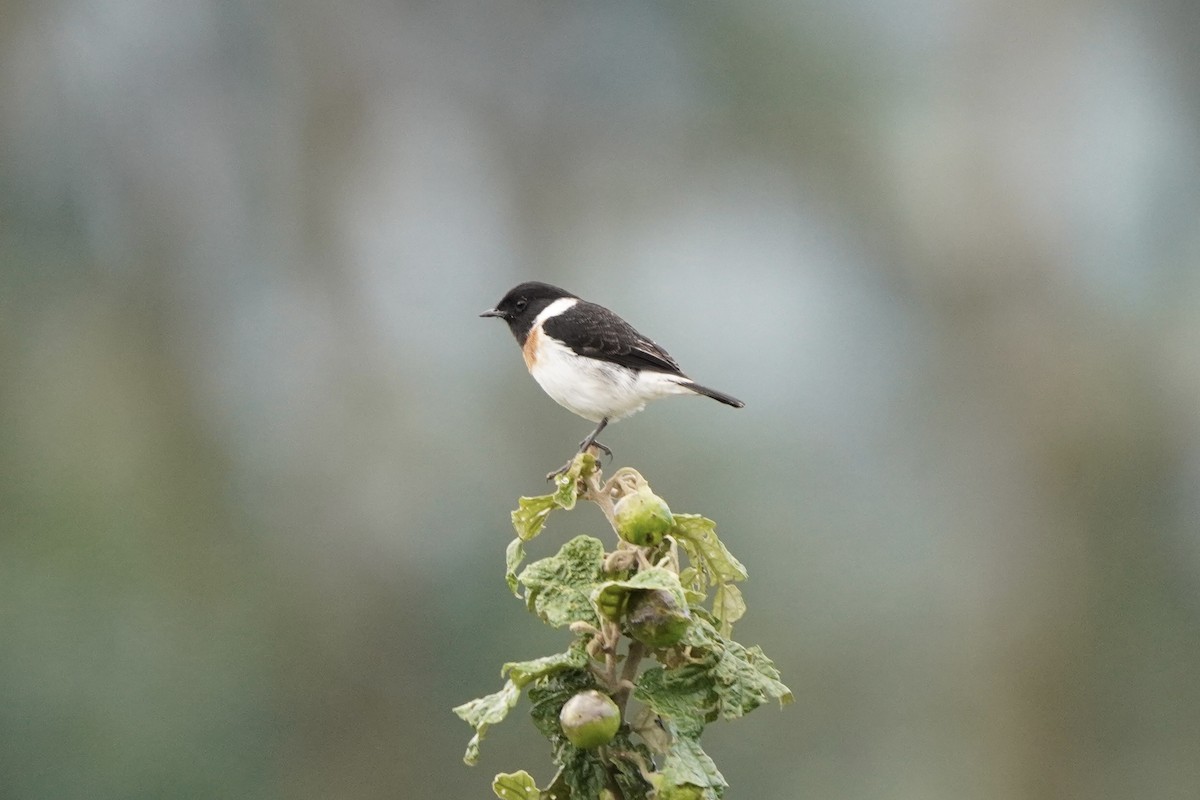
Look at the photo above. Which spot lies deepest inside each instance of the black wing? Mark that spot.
(594, 331)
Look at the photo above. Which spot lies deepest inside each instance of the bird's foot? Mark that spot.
(551, 476)
(583, 447)
(585, 444)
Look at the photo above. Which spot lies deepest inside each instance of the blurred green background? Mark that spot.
(257, 452)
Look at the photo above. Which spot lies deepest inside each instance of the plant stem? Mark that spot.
(598, 493)
(633, 660)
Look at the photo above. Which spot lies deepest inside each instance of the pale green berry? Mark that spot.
(590, 719)
(642, 518)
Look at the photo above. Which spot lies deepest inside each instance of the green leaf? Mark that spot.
(689, 578)
(582, 467)
(684, 695)
(711, 564)
(714, 563)
(484, 712)
(728, 607)
(515, 786)
(609, 594)
(559, 588)
(687, 765)
(742, 678)
(558, 788)
(514, 554)
(627, 760)
(647, 726)
(522, 672)
(584, 771)
(531, 513)
(729, 680)
(745, 679)
(530, 516)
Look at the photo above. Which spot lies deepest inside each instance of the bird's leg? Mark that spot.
(590, 441)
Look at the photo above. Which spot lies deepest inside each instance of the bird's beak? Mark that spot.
(491, 312)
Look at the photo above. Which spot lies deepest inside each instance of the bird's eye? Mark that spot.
(521, 303)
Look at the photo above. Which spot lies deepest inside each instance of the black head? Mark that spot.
(523, 303)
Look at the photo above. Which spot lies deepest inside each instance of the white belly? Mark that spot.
(594, 389)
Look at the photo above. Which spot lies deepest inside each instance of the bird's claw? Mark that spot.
(583, 447)
(550, 476)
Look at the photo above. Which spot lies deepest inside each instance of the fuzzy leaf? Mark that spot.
(483, 712)
(515, 786)
(530, 516)
(582, 467)
(558, 788)
(628, 760)
(514, 554)
(609, 594)
(584, 771)
(647, 726)
(728, 607)
(746, 679)
(713, 562)
(685, 695)
(559, 588)
(729, 681)
(742, 678)
(522, 672)
(687, 765)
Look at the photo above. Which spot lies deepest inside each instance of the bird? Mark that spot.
(589, 360)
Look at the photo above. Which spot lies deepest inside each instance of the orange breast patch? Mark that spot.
(530, 347)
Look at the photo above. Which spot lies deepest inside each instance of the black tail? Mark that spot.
(720, 397)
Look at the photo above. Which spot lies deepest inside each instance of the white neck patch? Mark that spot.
(554, 309)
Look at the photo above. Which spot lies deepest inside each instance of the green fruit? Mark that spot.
(610, 601)
(590, 719)
(655, 619)
(642, 517)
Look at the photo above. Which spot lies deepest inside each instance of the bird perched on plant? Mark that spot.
(589, 360)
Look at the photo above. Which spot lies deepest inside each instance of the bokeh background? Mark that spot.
(257, 451)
